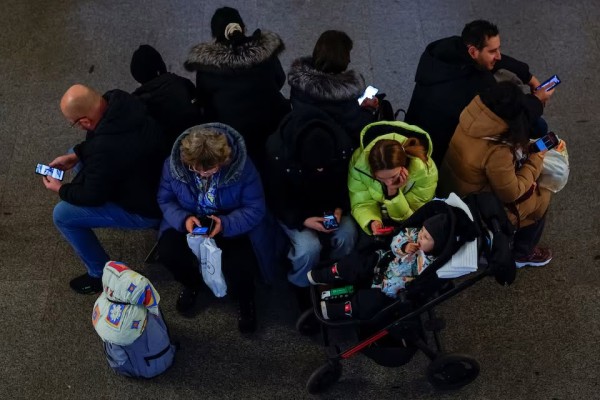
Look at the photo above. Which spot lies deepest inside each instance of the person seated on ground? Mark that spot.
(324, 81)
(210, 175)
(118, 167)
(239, 78)
(391, 175)
(453, 70)
(308, 166)
(169, 97)
(490, 152)
(411, 251)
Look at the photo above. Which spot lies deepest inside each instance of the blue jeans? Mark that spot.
(75, 223)
(305, 248)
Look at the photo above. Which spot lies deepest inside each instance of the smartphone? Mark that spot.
(370, 92)
(550, 83)
(200, 230)
(330, 221)
(546, 142)
(386, 230)
(46, 170)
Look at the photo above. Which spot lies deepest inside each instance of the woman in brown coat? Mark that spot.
(490, 152)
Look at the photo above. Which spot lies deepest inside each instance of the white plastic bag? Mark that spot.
(555, 170)
(209, 258)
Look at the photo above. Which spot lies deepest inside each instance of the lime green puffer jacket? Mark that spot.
(366, 193)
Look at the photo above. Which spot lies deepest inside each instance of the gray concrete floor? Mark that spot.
(537, 339)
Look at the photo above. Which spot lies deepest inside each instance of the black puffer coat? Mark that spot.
(240, 86)
(121, 159)
(169, 99)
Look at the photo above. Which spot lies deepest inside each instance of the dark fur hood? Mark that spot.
(214, 56)
(324, 86)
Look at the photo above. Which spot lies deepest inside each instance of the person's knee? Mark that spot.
(62, 213)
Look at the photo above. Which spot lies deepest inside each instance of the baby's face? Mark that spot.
(425, 241)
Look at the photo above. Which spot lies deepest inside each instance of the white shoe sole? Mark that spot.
(532, 264)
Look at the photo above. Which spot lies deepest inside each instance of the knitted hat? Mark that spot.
(317, 149)
(223, 17)
(146, 64)
(438, 227)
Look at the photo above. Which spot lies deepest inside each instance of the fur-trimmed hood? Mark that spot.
(215, 56)
(325, 86)
(231, 172)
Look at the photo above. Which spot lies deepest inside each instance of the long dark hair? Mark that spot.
(507, 101)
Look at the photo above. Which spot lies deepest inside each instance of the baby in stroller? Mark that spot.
(412, 250)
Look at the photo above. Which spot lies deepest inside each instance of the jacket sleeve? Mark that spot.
(425, 178)
(93, 185)
(363, 207)
(252, 208)
(505, 182)
(171, 209)
(515, 66)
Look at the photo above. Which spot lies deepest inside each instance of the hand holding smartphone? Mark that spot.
(206, 226)
(46, 170)
(546, 142)
(330, 221)
(550, 83)
(369, 93)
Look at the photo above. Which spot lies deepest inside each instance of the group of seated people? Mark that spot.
(268, 170)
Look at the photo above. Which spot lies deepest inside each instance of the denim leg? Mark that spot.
(75, 223)
(305, 252)
(344, 238)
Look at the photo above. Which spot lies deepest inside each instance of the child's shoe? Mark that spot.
(324, 276)
(335, 311)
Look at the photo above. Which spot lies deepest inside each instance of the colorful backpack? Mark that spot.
(127, 319)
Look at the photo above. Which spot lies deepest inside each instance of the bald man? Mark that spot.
(117, 170)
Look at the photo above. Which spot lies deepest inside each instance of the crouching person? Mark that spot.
(209, 175)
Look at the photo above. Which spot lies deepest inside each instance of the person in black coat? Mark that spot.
(323, 81)
(169, 97)
(239, 78)
(118, 166)
(308, 160)
(452, 71)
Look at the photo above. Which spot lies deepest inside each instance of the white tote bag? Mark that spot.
(209, 258)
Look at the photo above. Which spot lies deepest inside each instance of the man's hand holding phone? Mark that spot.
(51, 183)
(316, 223)
(65, 162)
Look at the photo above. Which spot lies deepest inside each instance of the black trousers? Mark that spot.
(527, 238)
(238, 262)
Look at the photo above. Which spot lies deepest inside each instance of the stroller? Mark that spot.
(395, 333)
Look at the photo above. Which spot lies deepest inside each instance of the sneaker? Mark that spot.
(247, 317)
(539, 257)
(86, 284)
(323, 276)
(186, 300)
(335, 311)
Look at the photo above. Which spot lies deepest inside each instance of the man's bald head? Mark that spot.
(81, 103)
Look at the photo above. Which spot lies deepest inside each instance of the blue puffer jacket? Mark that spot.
(240, 198)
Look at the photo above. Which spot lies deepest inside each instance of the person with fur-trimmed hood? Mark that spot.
(323, 81)
(239, 78)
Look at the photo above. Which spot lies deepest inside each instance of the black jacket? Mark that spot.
(294, 192)
(240, 86)
(169, 99)
(336, 94)
(121, 159)
(446, 81)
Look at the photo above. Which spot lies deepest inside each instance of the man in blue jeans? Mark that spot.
(117, 171)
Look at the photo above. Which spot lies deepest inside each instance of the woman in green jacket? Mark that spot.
(391, 175)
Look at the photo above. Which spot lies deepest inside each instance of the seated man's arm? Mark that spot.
(94, 184)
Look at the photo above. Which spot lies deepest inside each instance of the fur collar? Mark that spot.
(216, 56)
(324, 86)
(231, 173)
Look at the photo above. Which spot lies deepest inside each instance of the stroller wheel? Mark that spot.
(307, 323)
(452, 371)
(324, 377)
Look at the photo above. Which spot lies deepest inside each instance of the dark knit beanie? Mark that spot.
(223, 17)
(438, 227)
(146, 64)
(317, 149)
